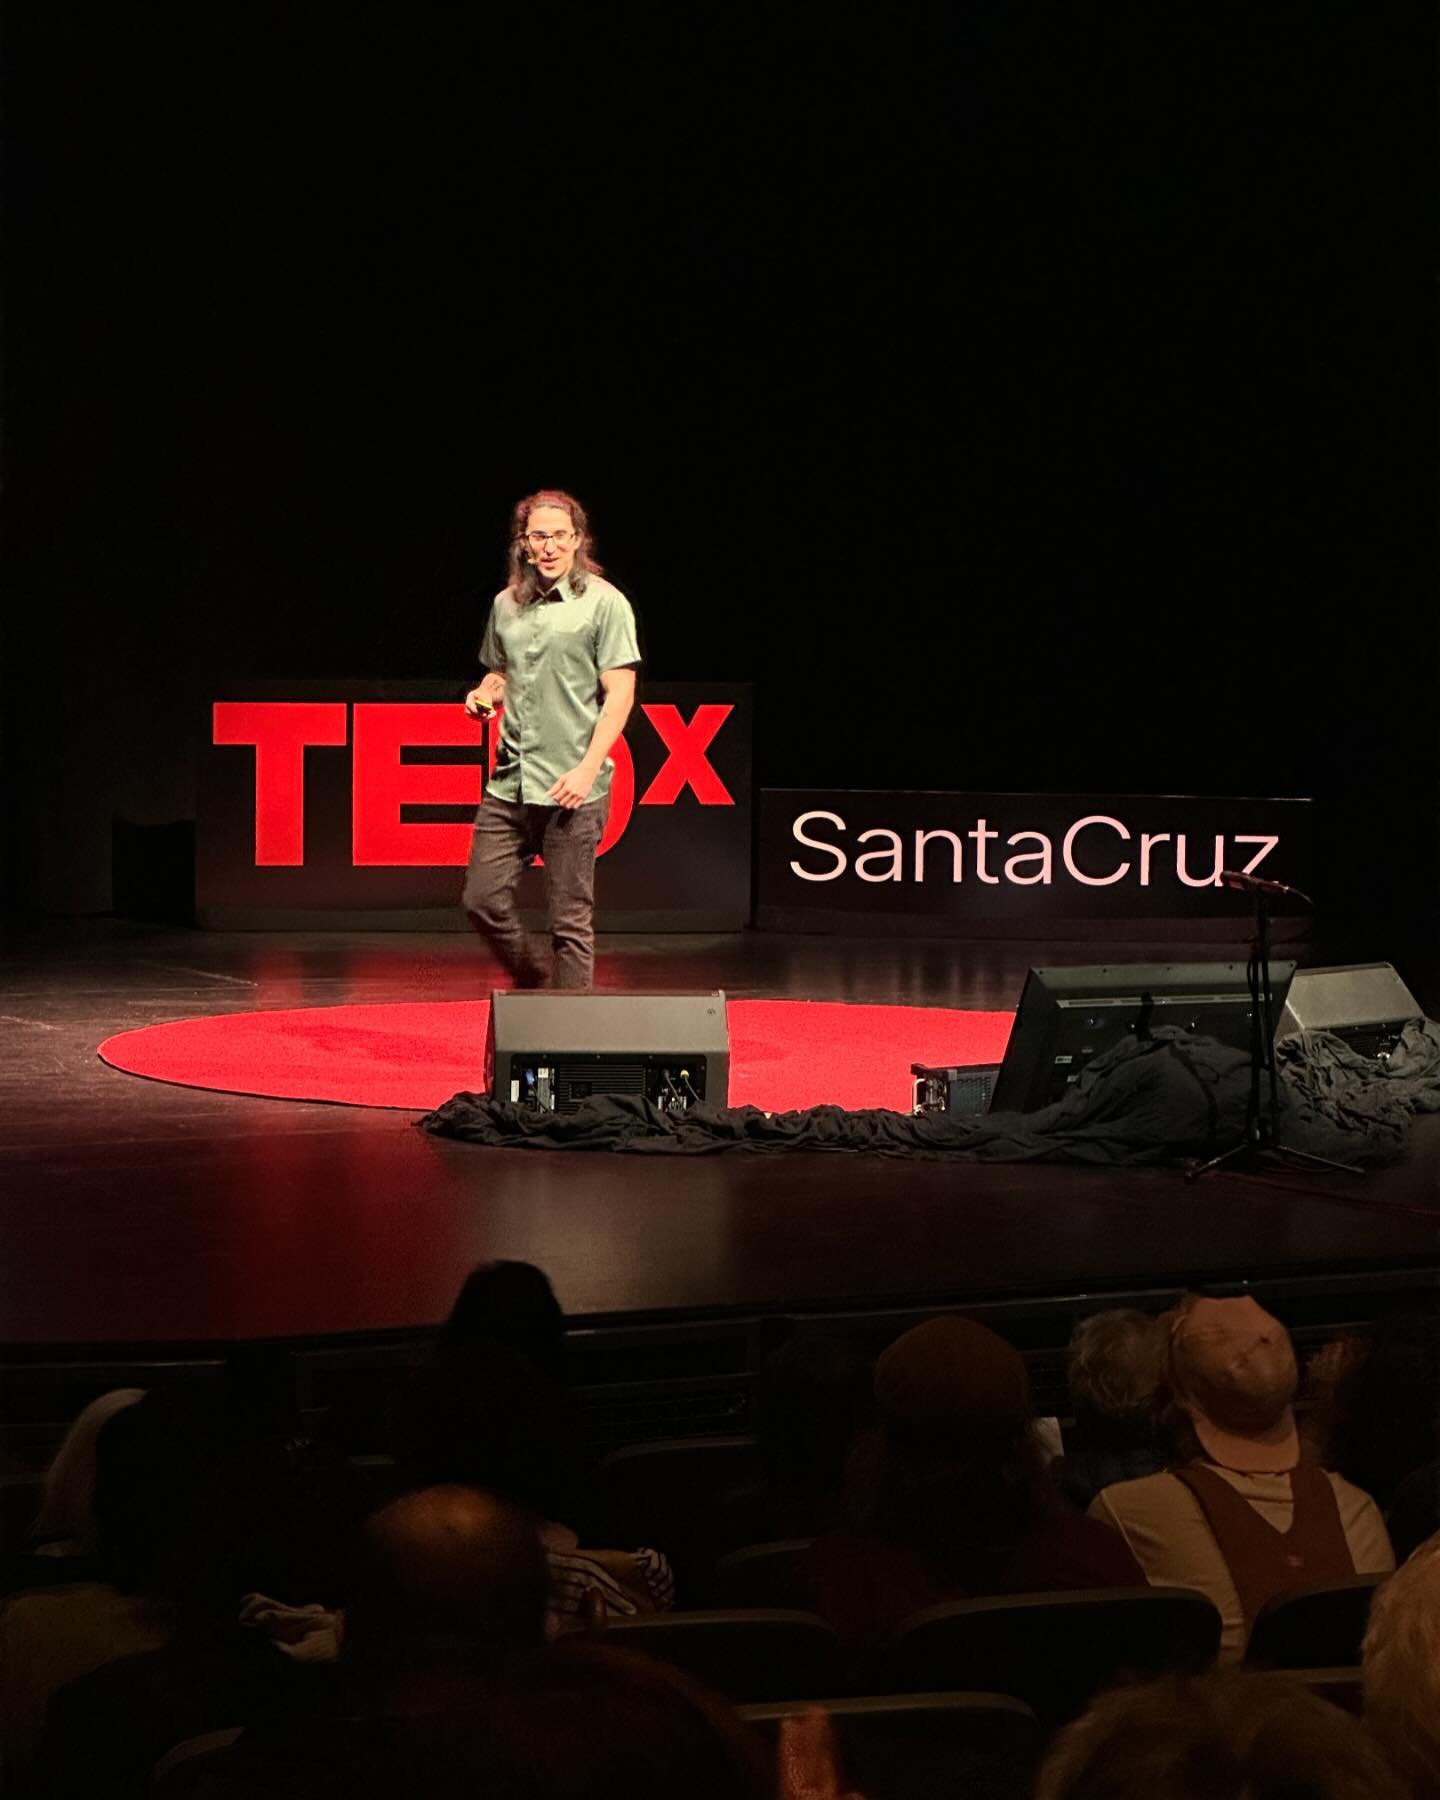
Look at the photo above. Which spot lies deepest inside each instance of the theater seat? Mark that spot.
(1344, 1687)
(915, 1746)
(775, 1574)
(1054, 1651)
(664, 1494)
(21, 1497)
(189, 1762)
(1317, 1627)
(747, 1655)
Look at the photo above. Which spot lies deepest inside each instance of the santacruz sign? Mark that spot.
(356, 800)
(938, 859)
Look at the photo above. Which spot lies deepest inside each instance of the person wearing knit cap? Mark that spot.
(948, 1498)
(1238, 1515)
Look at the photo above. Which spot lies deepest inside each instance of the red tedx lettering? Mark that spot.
(382, 784)
(686, 765)
(280, 730)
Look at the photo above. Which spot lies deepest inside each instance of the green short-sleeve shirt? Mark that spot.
(552, 653)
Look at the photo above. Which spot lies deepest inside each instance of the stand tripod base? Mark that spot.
(1254, 1151)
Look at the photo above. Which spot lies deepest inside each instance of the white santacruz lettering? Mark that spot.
(889, 863)
(841, 864)
(1267, 844)
(1067, 850)
(938, 854)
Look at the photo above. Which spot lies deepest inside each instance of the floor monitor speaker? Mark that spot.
(1070, 1016)
(554, 1050)
(1366, 1004)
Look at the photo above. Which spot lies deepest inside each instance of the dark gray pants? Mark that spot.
(506, 836)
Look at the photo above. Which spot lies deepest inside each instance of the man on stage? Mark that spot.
(560, 651)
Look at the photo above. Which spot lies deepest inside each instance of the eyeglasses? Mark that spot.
(537, 540)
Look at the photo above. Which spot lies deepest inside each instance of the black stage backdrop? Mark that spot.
(1023, 397)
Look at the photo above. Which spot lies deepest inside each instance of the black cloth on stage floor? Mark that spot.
(1163, 1099)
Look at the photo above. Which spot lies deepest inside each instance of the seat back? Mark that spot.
(43, 1399)
(926, 1746)
(186, 1762)
(1317, 1627)
(746, 1655)
(21, 1497)
(1054, 1651)
(664, 1494)
(776, 1574)
(1344, 1687)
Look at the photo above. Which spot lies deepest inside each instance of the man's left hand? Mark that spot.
(572, 789)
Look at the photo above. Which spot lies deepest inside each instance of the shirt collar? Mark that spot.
(562, 590)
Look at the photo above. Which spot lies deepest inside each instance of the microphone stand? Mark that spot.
(1261, 1143)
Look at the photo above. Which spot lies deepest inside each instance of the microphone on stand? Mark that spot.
(1258, 884)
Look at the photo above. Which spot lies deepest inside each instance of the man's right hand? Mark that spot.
(490, 693)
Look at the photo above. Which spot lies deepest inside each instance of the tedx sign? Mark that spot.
(360, 797)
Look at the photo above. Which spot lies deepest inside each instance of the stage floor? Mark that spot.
(134, 1212)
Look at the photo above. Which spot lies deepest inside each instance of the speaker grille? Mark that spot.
(970, 1091)
(576, 1082)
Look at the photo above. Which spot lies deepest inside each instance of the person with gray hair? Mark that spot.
(1229, 1736)
(1401, 1668)
(1115, 1365)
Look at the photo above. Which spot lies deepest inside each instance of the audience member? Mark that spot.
(1401, 1667)
(259, 1621)
(1385, 1415)
(1238, 1516)
(810, 1399)
(449, 1591)
(449, 1581)
(1315, 1396)
(1230, 1736)
(585, 1722)
(65, 1524)
(63, 1539)
(1115, 1365)
(483, 1416)
(146, 1474)
(949, 1497)
(510, 1303)
(1414, 1512)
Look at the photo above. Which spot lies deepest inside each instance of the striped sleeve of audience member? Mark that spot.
(627, 1584)
(659, 1578)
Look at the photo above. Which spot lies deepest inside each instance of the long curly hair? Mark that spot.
(523, 580)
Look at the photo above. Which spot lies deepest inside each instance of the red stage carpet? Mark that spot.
(784, 1054)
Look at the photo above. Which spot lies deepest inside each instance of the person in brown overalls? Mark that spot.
(1237, 1515)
